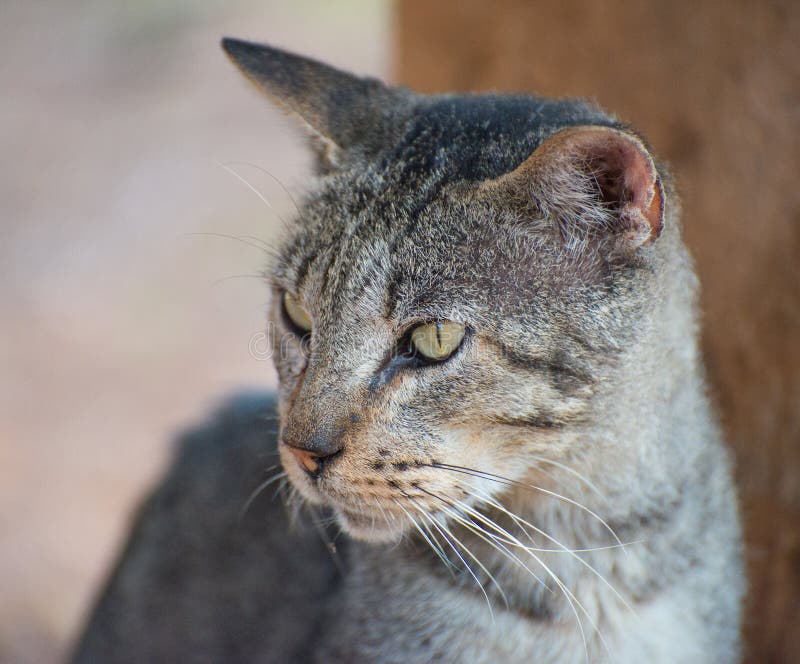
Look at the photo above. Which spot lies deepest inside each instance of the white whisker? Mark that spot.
(469, 552)
(225, 236)
(447, 535)
(439, 553)
(320, 525)
(571, 471)
(495, 542)
(572, 600)
(246, 183)
(509, 482)
(568, 595)
(257, 491)
(266, 172)
(522, 523)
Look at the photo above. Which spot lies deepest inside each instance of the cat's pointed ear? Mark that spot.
(598, 185)
(345, 113)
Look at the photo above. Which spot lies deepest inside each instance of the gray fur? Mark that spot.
(580, 376)
(197, 578)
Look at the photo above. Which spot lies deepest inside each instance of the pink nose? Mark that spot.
(308, 460)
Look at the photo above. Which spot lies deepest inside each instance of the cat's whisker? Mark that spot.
(538, 549)
(571, 471)
(514, 483)
(572, 600)
(451, 565)
(567, 592)
(231, 277)
(281, 487)
(434, 545)
(469, 523)
(271, 175)
(568, 595)
(450, 538)
(492, 540)
(443, 526)
(323, 533)
(382, 511)
(293, 503)
(267, 246)
(236, 238)
(247, 184)
(437, 545)
(502, 534)
(257, 491)
(522, 524)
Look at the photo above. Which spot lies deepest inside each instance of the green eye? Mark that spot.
(439, 340)
(296, 313)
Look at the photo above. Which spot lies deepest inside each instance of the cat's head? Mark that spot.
(461, 293)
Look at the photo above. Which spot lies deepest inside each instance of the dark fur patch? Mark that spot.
(533, 421)
(564, 376)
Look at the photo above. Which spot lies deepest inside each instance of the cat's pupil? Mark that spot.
(439, 340)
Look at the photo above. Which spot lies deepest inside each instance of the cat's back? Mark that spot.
(199, 581)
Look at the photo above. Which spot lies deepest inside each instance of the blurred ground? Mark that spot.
(118, 326)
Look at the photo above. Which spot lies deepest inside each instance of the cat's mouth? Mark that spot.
(366, 517)
(379, 507)
(375, 526)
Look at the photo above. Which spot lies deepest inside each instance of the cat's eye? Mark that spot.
(437, 340)
(296, 313)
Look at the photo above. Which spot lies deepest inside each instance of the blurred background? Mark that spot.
(141, 178)
(128, 304)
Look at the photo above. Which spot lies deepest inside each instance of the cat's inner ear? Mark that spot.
(597, 184)
(344, 113)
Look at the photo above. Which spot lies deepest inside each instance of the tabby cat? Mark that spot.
(492, 412)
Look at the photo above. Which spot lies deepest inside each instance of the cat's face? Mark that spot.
(398, 422)
(453, 291)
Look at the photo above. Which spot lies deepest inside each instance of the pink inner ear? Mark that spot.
(616, 161)
(626, 176)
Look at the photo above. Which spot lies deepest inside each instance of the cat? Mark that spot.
(490, 384)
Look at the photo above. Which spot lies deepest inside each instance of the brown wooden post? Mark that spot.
(715, 86)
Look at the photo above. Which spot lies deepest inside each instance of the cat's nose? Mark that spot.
(309, 461)
(313, 460)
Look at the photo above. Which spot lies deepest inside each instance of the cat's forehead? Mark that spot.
(406, 220)
(449, 255)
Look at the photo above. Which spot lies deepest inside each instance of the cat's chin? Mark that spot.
(369, 528)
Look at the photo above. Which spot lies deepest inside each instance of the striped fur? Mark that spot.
(557, 490)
